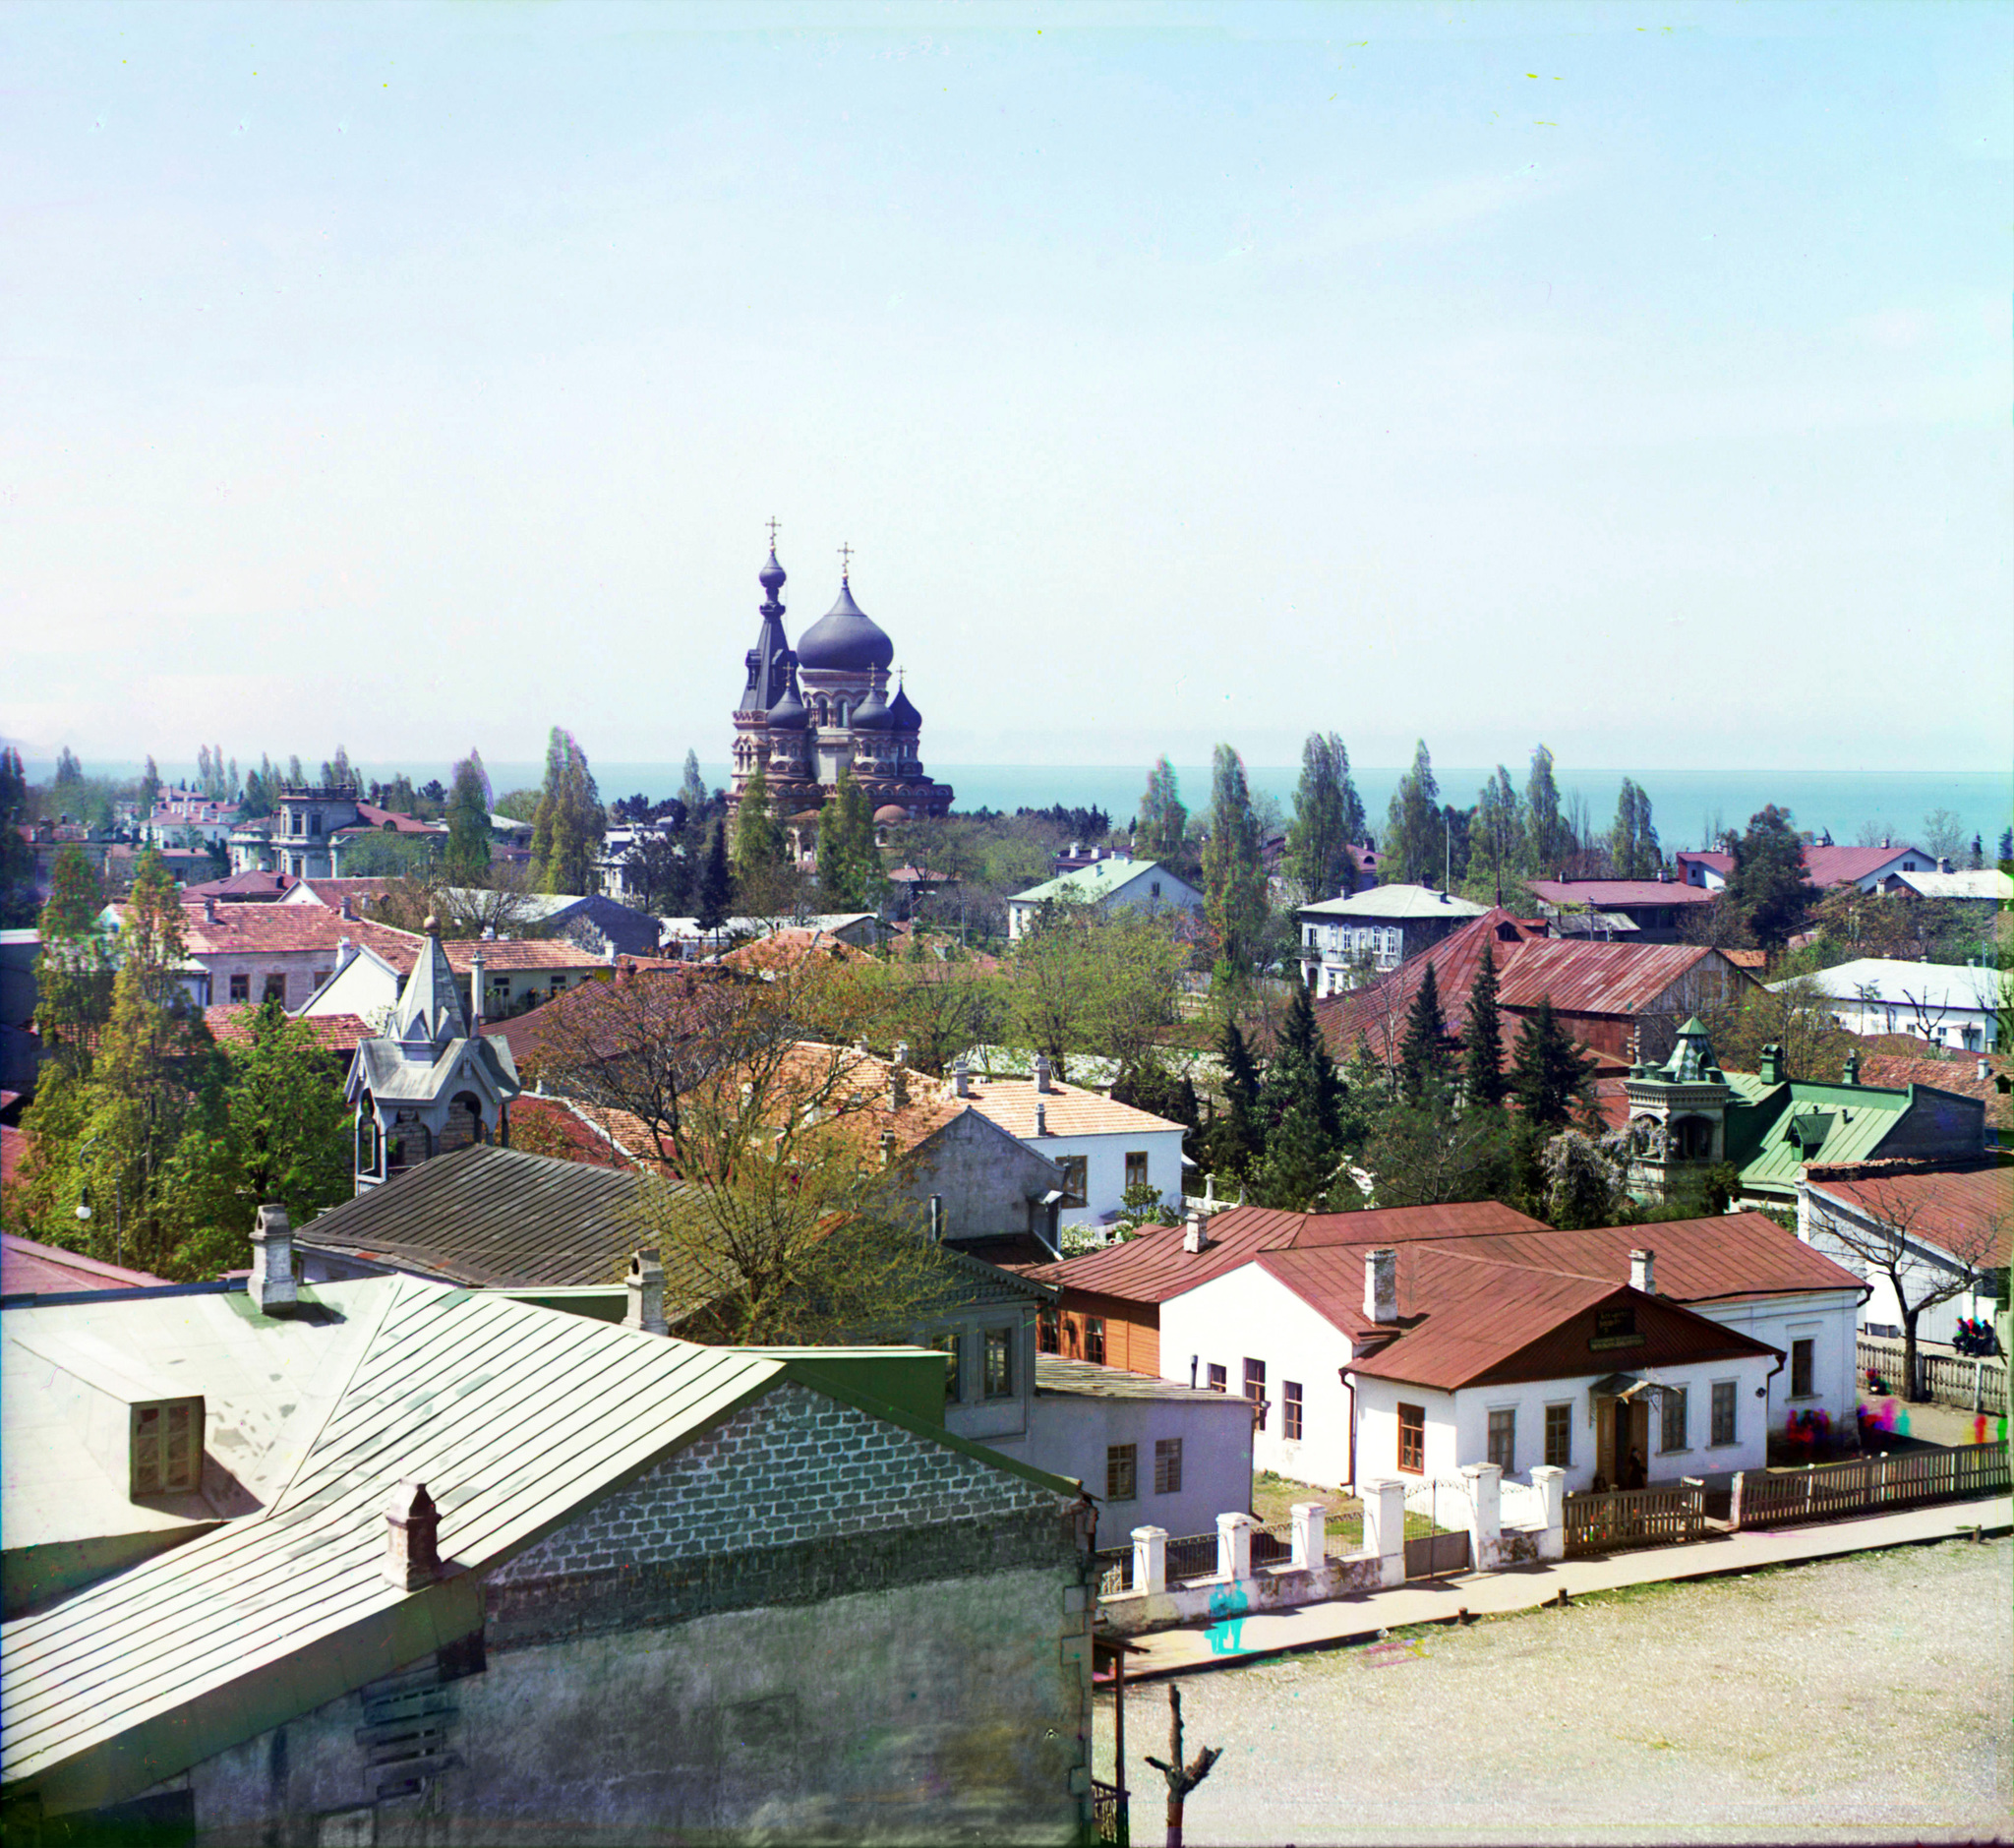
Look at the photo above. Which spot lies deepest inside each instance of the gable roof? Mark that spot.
(1067, 1109)
(1394, 900)
(29, 1268)
(1890, 984)
(1947, 1210)
(1602, 893)
(1098, 881)
(1921, 1067)
(230, 1024)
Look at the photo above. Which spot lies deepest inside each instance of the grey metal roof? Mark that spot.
(513, 1416)
(1086, 1379)
(1394, 900)
(490, 1216)
(846, 639)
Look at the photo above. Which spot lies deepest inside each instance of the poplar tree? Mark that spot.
(468, 822)
(1233, 879)
(1163, 823)
(566, 827)
(1327, 818)
(849, 870)
(1415, 834)
(758, 835)
(1548, 840)
(1633, 850)
(149, 788)
(1483, 1081)
(1497, 838)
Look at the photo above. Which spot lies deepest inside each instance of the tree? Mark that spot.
(1497, 835)
(1300, 1106)
(1089, 982)
(1414, 835)
(1548, 839)
(339, 772)
(713, 895)
(2006, 853)
(68, 770)
(1796, 1016)
(1483, 1085)
(1586, 1181)
(1233, 879)
(1163, 823)
(1549, 1076)
(17, 858)
(850, 869)
(566, 831)
(149, 788)
(1234, 1137)
(1426, 1059)
(657, 870)
(1434, 1153)
(1944, 835)
(468, 822)
(692, 789)
(1633, 851)
(758, 853)
(1328, 819)
(1767, 887)
(1181, 1778)
(1895, 1229)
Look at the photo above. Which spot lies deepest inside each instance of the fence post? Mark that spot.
(1485, 1516)
(1695, 1506)
(1551, 1484)
(1979, 1370)
(1234, 1545)
(1311, 1537)
(1150, 1559)
(1385, 1529)
(1735, 1510)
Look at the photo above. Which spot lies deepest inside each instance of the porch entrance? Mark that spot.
(1622, 1427)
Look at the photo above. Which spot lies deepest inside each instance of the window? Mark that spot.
(1155, 889)
(1290, 1426)
(1136, 1168)
(999, 1363)
(947, 1344)
(1219, 1380)
(315, 824)
(1504, 1440)
(1723, 1412)
(1677, 1416)
(1412, 1438)
(240, 987)
(1121, 1473)
(1168, 1465)
(1560, 1436)
(1254, 1388)
(276, 989)
(1046, 1332)
(1094, 1339)
(1073, 1179)
(167, 1448)
(1801, 1367)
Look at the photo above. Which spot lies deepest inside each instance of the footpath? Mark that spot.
(1366, 1614)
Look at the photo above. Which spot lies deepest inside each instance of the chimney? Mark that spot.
(645, 1283)
(1641, 1275)
(349, 909)
(1380, 1286)
(475, 994)
(1195, 1231)
(1943, 862)
(272, 1285)
(1852, 1075)
(1444, 898)
(888, 1148)
(898, 1084)
(1770, 1067)
(1041, 1117)
(961, 1077)
(412, 1537)
(210, 911)
(1041, 1071)
(1985, 1071)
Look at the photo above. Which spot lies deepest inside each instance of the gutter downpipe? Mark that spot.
(1342, 1374)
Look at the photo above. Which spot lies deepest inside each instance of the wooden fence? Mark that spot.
(1787, 1497)
(1972, 1385)
(1619, 1518)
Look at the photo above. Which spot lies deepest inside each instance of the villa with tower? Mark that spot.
(808, 713)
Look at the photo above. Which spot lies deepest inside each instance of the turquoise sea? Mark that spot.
(1688, 807)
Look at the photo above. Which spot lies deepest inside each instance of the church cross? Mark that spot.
(846, 559)
(772, 532)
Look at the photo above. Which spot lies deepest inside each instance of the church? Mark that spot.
(807, 713)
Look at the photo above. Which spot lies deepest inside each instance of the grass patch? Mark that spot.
(1273, 1496)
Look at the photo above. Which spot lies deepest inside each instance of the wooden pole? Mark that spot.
(1181, 1778)
(1119, 1724)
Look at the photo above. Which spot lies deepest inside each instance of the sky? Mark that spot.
(1633, 378)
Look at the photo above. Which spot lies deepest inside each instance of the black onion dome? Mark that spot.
(772, 575)
(872, 714)
(788, 714)
(845, 639)
(902, 716)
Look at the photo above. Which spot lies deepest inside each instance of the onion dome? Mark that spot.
(788, 714)
(902, 716)
(845, 639)
(872, 714)
(771, 577)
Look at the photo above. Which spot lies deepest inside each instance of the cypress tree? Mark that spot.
(1549, 1076)
(1425, 1059)
(713, 898)
(1483, 1060)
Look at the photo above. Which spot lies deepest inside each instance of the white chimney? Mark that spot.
(272, 1285)
(1195, 1231)
(936, 1218)
(349, 909)
(1380, 1286)
(961, 1077)
(645, 1283)
(475, 994)
(412, 1537)
(1641, 1274)
(1985, 1071)
(1041, 1071)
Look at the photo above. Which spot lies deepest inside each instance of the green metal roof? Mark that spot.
(1088, 884)
(1762, 1121)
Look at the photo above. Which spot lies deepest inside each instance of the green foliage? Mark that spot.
(1550, 1078)
(849, 870)
(17, 858)
(713, 892)
(1148, 1085)
(287, 1129)
(69, 772)
(1633, 851)
(758, 836)
(468, 822)
(693, 788)
(1234, 1137)
(1497, 840)
(1413, 831)
(1426, 1058)
(1586, 1181)
(74, 970)
(1164, 822)
(149, 786)
(567, 825)
(379, 855)
(1233, 879)
(518, 805)
(1548, 837)
(1768, 889)
(1432, 1152)
(1083, 981)
(1300, 1106)
(1328, 819)
(1483, 1084)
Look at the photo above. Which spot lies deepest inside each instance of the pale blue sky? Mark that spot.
(1633, 378)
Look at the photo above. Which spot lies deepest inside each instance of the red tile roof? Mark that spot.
(1894, 1071)
(230, 1024)
(27, 1268)
(1949, 1210)
(1067, 1109)
(241, 887)
(377, 821)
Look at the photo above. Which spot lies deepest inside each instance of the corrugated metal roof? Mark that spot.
(1065, 1378)
(1394, 900)
(513, 1416)
(29, 1268)
(1601, 893)
(1962, 1213)
(1855, 1121)
(1091, 883)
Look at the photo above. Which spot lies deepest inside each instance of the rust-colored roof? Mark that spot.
(1607, 894)
(378, 821)
(1949, 1210)
(1959, 1073)
(283, 929)
(1153, 1267)
(1611, 981)
(1068, 1109)
(1842, 866)
(242, 887)
(230, 1024)
(27, 1268)
(1754, 960)
(787, 946)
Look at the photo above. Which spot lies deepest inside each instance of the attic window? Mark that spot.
(167, 1448)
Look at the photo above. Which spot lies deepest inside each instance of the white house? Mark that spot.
(1944, 1003)
(1375, 930)
(1947, 1230)
(1112, 885)
(1518, 1348)
(1102, 1147)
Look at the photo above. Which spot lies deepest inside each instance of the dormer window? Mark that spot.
(167, 1448)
